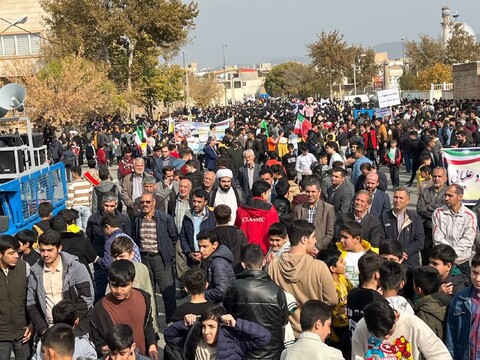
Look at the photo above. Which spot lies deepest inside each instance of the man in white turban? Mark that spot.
(226, 194)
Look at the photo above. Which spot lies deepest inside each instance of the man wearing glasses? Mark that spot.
(155, 233)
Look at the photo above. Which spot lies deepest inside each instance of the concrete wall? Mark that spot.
(466, 81)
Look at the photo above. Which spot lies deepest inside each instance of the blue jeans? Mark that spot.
(84, 213)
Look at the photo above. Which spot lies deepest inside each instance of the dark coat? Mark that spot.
(235, 239)
(243, 179)
(380, 204)
(210, 156)
(253, 296)
(158, 167)
(187, 231)
(219, 273)
(411, 236)
(232, 343)
(167, 235)
(382, 182)
(78, 245)
(371, 228)
(95, 233)
(342, 198)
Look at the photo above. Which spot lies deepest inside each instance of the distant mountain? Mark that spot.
(300, 59)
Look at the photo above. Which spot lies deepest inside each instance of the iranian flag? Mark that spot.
(140, 134)
(302, 125)
(463, 168)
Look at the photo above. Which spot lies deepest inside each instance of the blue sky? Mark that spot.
(261, 30)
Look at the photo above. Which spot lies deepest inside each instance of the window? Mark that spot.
(237, 84)
(21, 44)
(227, 85)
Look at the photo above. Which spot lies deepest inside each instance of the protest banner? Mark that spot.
(387, 98)
(463, 168)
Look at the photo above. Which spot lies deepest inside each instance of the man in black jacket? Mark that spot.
(253, 296)
(14, 332)
(155, 233)
(95, 233)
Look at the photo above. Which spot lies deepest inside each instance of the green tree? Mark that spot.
(119, 31)
(408, 81)
(461, 47)
(161, 84)
(424, 53)
(331, 57)
(364, 61)
(291, 79)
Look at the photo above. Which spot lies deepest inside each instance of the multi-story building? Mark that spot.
(21, 29)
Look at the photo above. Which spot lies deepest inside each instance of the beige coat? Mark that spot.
(324, 222)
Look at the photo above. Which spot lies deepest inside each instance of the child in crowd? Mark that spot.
(392, 280)
(432, 305)
(393, 158)
(336, 264)
(442, 257)
(217, 260)
(352, 248)
(121, 345)
(393, 251)
(195, 281)
(65, 313)
(124, 248)
(278, 237)
(369, 269)
(426, 176)
(27, 238)
(463, 322)
(388, 334)
(45, 210)
(425, 160)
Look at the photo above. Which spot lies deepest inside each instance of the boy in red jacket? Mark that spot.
(256, 219)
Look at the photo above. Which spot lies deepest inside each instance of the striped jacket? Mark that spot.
(79, 193)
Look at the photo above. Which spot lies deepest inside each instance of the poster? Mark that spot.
(196, 133)
(463, 168)
(387, 98)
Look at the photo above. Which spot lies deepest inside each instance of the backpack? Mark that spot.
(100, 194)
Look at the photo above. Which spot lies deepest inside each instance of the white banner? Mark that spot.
(388, 98)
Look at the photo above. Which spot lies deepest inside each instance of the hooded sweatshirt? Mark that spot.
(255, 221)
(411, 337)
(305, 278)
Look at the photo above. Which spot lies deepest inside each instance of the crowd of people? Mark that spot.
(275, 242)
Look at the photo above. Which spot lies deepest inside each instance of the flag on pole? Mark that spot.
(302, 126)
(140, 134)
(264, 125)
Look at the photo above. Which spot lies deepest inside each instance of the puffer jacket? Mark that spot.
(219, 273)
(232, 343)
(77, 286)
(253, 296)
(432, 309)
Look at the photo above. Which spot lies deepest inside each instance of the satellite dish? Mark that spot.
(12, 96)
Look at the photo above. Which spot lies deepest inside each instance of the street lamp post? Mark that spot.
(187, 88)
(403, 52)
(20, 20)
(225, 73)
(355, 72)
